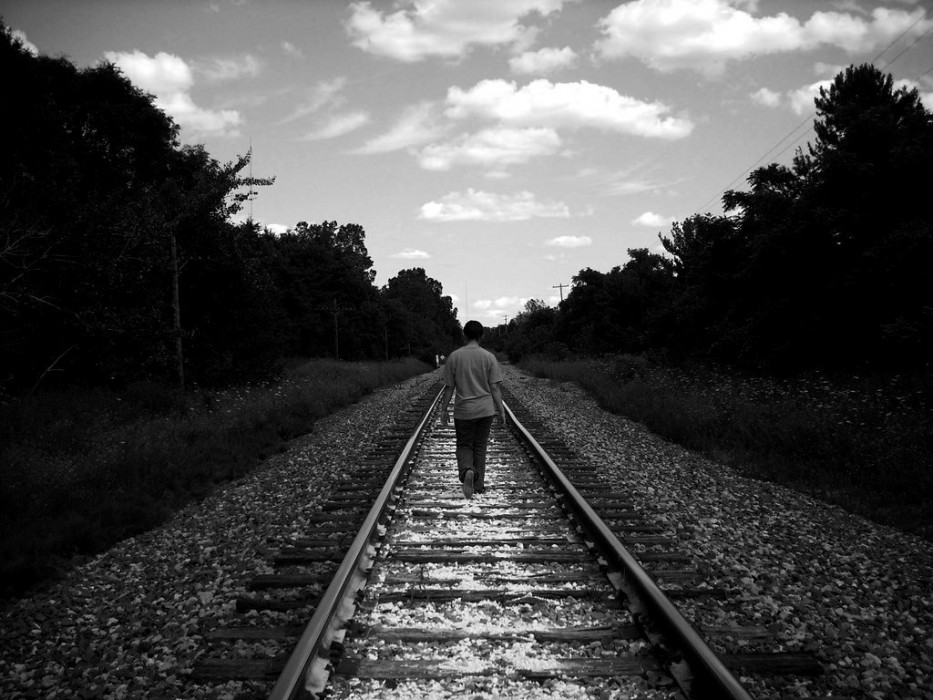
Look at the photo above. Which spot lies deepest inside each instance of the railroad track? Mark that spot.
(408, 585)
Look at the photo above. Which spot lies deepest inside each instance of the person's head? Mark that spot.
(473, 330)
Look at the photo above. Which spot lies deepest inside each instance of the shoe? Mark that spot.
(468, 484)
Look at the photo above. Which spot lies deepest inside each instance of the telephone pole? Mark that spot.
(561, 287)
(335, 310)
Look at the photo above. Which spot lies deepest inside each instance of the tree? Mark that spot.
(100, 210)
(421, 318)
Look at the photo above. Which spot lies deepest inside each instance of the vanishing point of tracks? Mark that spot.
(527, 589)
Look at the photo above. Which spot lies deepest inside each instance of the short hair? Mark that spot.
(473, 330)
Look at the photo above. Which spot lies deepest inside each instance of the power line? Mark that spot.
(908, 48)
(899, 37)
(812, 114)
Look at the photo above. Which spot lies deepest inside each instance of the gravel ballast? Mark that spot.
(856, 594)
(129, 623)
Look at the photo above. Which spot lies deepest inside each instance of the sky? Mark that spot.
(501, 145)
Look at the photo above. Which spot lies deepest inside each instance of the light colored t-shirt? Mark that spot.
(471, 370)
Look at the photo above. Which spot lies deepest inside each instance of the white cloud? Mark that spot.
(543, 61)
(704, 35)
(649, 218)
(219, 69)
(569, 241)
(507, 302)
(20, 36)
(496, 307)
(338, 125)
(633, 179)
(277, 229)
(292, 50)
(411, 254)
(418, 124)
(800, 101)
(766, 97)
(162, 74)
(573, 105)
(475, 205)
(325, 94)
(443, 28)
(925, 97)
(503, 146)
(170, 80)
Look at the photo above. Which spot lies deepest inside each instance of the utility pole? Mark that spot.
(335, 310)
(176, 317)
(561, 287)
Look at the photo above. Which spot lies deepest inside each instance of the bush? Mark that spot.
(80, 471)
(866, 444)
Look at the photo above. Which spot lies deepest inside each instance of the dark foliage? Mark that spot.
(119, 261)
(819, 265)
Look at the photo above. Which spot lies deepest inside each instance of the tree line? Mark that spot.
(119, 260)
(824, 263)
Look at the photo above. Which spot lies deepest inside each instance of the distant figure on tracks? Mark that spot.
(475, 375)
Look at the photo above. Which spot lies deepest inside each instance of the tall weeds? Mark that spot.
(864, 445)
(80, 470)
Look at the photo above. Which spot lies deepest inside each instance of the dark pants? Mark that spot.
(472, 436)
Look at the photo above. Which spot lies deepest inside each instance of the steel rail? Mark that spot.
(711, 677)
(293, 681)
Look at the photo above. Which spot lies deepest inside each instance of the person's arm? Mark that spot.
(496, 392)
(445, 400)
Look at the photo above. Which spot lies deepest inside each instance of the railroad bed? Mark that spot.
(515, 592)
(494, 594)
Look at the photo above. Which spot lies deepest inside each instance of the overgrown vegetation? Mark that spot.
(80, 470)
(863, 443)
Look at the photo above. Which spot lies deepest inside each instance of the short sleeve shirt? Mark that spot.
(471, 370)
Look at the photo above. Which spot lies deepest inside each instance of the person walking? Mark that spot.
(474, 374)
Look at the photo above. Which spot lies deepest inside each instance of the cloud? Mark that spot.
(501, 146)
(338, 125)
(170, 80)
(651, 219)
(926, 97)
(443, 28)
(766, 97)
(474, 205)
(219, 69)
(417, 125)
(292, 50)
(495, 307)
(572, 105)
(411, 254)
(325, 94)
(20, 37)
(800, 101)
(569, 241)
(704, 35)
(543, 61)
(277, 229)
(633, 179)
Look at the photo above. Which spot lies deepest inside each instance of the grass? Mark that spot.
(81, 470)
(865, 444)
